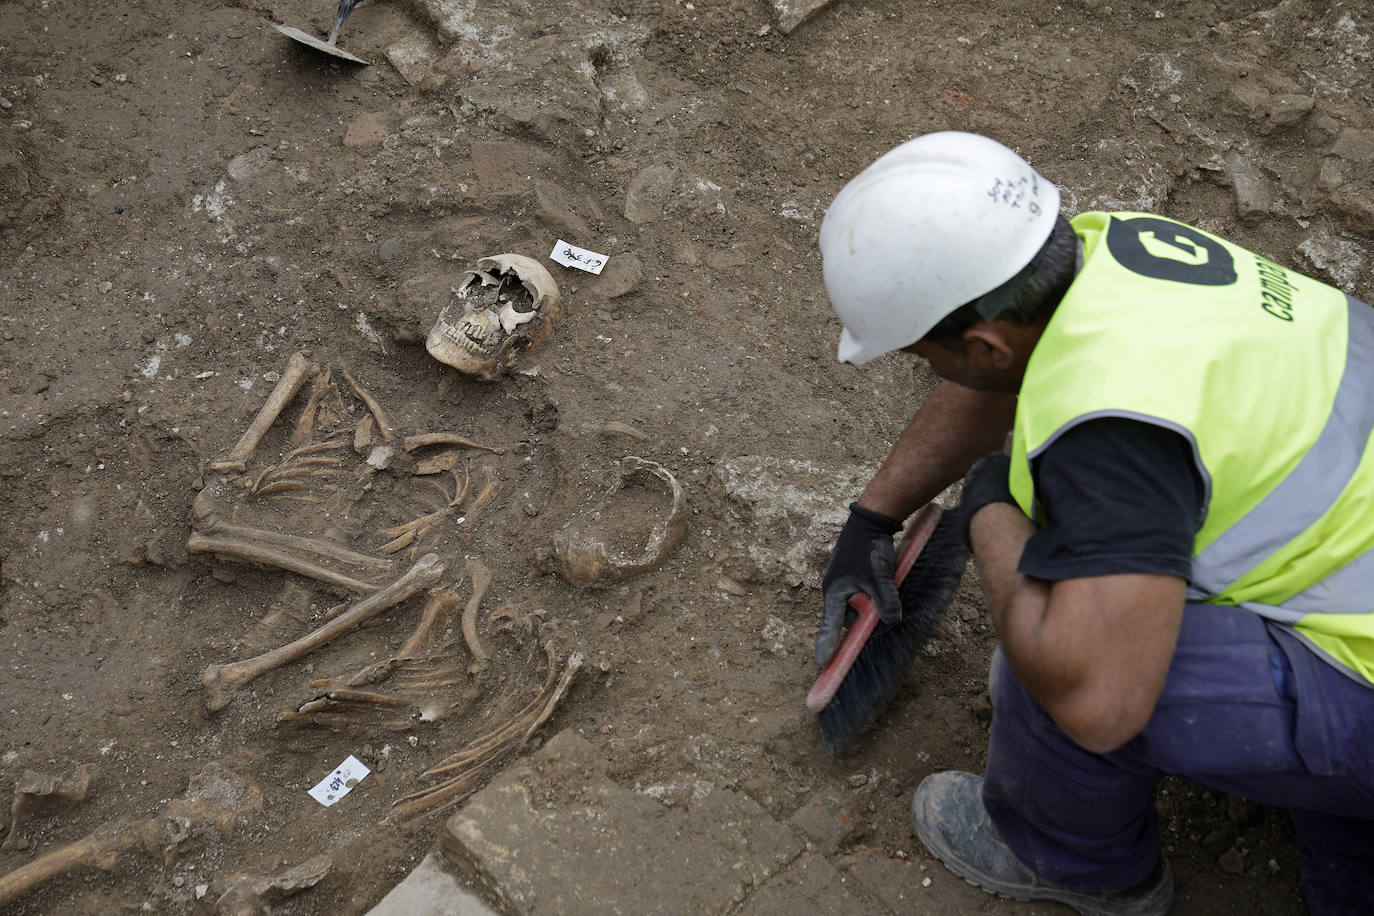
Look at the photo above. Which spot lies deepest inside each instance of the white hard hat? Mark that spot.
(933, 224)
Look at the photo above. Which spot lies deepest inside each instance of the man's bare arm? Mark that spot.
(953, 428)
(1094, 652)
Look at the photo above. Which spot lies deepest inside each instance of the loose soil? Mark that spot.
(187, 198)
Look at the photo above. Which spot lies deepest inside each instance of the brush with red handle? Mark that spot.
(869, 665)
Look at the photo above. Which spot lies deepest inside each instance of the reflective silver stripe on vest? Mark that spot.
(1308, 491)
(1348, 590)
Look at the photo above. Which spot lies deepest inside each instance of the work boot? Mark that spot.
(951, 821)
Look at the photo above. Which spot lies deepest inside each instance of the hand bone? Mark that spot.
(220, 681)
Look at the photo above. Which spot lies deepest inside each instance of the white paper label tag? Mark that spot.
(581, 258)
(340, 782)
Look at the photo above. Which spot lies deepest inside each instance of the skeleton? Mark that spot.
(490, 332)
(216, 798)
(408, 688)
(435, 475)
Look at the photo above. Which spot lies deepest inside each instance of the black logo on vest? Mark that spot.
(1165, 250)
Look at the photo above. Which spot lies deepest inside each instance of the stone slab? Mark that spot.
(801, 888)
(556, 835)
(431, 890)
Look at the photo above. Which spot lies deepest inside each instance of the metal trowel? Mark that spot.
(330, 45)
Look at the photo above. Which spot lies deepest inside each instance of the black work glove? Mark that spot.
(988, 481)
(863, 561)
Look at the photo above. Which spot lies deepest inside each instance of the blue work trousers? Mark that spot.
(1247, 709)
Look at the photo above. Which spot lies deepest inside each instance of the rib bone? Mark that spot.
(411, 443)
(220, 681)
(297, 371)
(383, 421)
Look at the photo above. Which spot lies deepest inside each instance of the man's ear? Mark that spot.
(988, 341)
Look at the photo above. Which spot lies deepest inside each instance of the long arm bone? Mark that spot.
(207, 522)
(297, 371)
(256, 553)
(220, 681)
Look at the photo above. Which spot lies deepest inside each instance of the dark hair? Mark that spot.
(1027, 298)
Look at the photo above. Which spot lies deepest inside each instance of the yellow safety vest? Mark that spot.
(1268, 374)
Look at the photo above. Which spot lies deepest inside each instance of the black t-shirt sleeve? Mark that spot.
(1120, 496)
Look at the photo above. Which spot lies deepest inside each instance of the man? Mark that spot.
(1178, 552)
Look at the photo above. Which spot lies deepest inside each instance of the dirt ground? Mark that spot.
(187, 198)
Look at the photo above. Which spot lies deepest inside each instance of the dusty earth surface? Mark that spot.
(187, 198)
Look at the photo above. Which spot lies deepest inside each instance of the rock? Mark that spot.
(1348, 176)
(831, 821)
(251, 895)
(556, 210)
(1219, 840)
(251, 164)
(1253, 198)
(1340, 261)
(1270, 110)
(365, 131)
(792, 13)
(412, 58)
(501, 166)
(81, 515)
(556, 835)
(796, 509)
(622, 275)
(1232, 861)
(431, 889)
(649, 192)
(1242, 813)
(775, 634)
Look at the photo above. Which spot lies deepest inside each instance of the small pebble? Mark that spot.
(925, 882)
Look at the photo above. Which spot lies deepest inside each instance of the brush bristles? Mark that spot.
(883, 664)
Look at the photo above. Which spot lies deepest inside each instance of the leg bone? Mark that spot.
(217, 798)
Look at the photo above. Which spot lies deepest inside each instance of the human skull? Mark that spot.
(509, 305)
